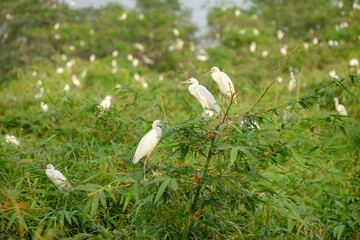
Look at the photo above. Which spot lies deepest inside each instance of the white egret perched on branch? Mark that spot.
(148, 143)
(339, 107)
(57, 178)
(205, 98)
(224, 83)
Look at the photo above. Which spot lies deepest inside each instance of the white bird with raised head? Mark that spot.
(57, 178)
(148, 143)
(205, 98)
(224, 83)
(339, 107)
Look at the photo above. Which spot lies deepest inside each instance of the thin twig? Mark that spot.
(283, 67)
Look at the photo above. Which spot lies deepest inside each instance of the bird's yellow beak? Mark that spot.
(208, 71)
(187, 81)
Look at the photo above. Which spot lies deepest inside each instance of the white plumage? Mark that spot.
(106, 103)
(339, 107)
(223, 81)
(205, 98)
(148, 143)
(292, 83)
(12, 140)
(57, 178)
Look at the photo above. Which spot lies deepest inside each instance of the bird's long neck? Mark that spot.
(158, 130)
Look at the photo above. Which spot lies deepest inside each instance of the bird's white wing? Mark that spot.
(342, 110)
(208, 99)
(146, 145)
(58, 179)
(227, 83)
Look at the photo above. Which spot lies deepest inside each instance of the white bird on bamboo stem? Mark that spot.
(224, 83)
(292, 83)
(148, 143)
(57, 178)
(205, 98)
(339, 107)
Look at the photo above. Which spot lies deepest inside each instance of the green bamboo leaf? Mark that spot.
(340, 231)
(94, 204)
(102, 198)
(233, 155)
(161, 189)
(86, 209)
(128, 197)
(247, 153)
(11, 221)
(319, 165)
(297, 157)
(136, 192)
(174, 184)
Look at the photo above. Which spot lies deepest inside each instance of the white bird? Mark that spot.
(66, 88)
(76, 81)
(224, 83)
(332, 74)
(205, 98)
(44, 106)
(252, 46)
(57, 178)
(12, 140)
(148, 143)
(106, 103)
(292, 83)
(339, 107)
(354, 62)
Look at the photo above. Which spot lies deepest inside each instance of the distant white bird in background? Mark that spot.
(205, 98)
(122, 17)
(57, 178)
(76, 81)
(280, 34)
(224, 83)
(106, 103)
(283, 50)
(339, 107)
(292, 83)
(12, 140)
(354, 62)
(332, 74)
(44, 106)
(264, 53)
(92, 58)
(315, 41)
(66, 88)
(252, 46)
(237, 12)
(59, 70)
(115, 53)
(148, 143)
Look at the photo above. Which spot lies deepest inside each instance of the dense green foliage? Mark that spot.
(295, 178)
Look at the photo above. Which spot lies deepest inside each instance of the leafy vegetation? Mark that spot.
(297, 177)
